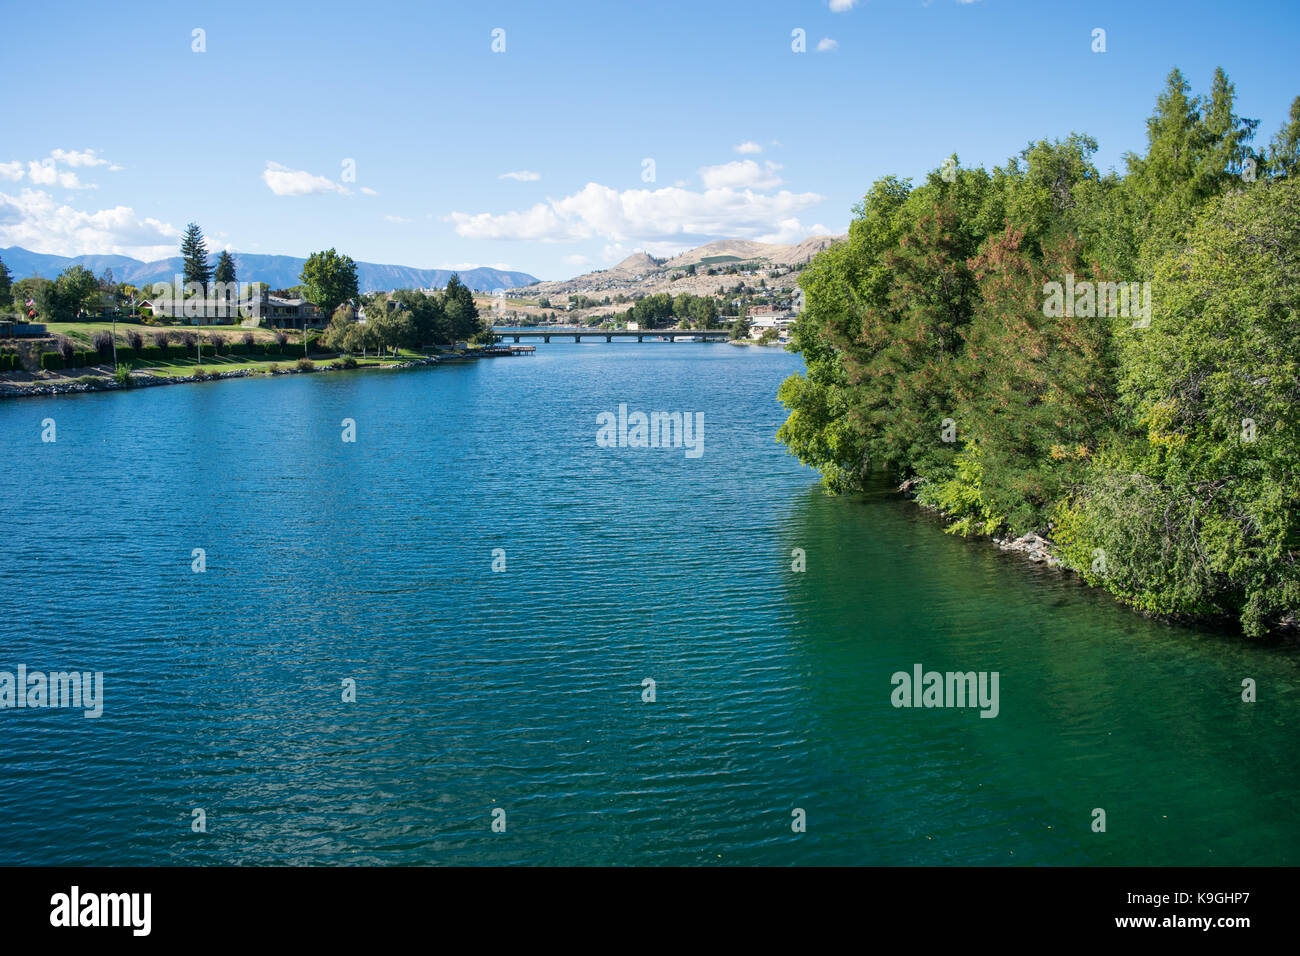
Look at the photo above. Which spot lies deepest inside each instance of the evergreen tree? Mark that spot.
(1284, 150)
(194, 257)
(225, 268)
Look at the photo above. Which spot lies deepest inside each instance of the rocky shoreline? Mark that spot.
(149, 380)
(1032, 545)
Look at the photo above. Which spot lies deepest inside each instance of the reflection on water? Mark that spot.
(522, 689)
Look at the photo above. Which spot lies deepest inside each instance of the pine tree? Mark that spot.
(225, 270)
(1284, 150)
(194, 257)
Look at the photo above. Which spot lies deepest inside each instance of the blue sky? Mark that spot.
(117, 133)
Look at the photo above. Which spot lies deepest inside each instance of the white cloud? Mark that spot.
(789, 231)
(368, 191)
(44, 173)
(748, 147)
(11, 171)
(465, 266)
(70, 157)
(576, 260)
(522, 176)
(842, 6)
(35, 221)
(284, 181)
(641, 215)
(826, 44)
(740, 174)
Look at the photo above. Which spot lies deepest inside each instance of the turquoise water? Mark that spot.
(522, 689)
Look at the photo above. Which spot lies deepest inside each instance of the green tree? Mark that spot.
(1284, 149)
(6, 283)
(462, 314)
(78, 290)
(330, 280)
(225, 268)
(194, 257)
(1199, 512)
(341, 325)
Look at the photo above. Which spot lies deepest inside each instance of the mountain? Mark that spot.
(278, 272)
(639, 274)
(729, 250)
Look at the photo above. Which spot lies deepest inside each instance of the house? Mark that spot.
(269, 309)
(763, 320)
(294, 313)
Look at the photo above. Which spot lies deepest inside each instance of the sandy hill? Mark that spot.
(641, 273)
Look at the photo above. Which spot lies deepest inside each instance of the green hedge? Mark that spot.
(51, 360)
(84, 359)
(125, 353)
(10, 362)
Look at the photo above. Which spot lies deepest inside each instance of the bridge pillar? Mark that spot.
(609, 338)
(546, 338)
(640, 338)
(516, 340)
(577, 338)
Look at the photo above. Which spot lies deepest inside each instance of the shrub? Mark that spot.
(239, 348)
(81, 358)
(67, 348)
(275, 368)
(199, 373)
(349, 362)
(153, 353)
(281, 338)
(218, 342)
(248, 339)
(306, 365)
(135, 339)
(102, 342)
(187, 340)
(161, 339)
(125, 354)
(122, 376)
(51, 360)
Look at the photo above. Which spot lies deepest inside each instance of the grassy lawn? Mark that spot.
(231, 363)
(82, 331)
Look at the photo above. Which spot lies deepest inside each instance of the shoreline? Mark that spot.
(145, 379)
(1040, 550)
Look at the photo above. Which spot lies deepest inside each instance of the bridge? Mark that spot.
(671, 335)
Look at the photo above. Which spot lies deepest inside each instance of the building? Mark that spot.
(763, 320)
(269, 309)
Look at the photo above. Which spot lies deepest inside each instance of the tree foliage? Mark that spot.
(1142, 414)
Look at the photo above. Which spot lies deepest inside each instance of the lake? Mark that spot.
(330, 564)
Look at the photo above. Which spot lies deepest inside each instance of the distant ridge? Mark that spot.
(278, 272)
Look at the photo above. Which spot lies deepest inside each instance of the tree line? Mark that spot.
(1111, 359)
